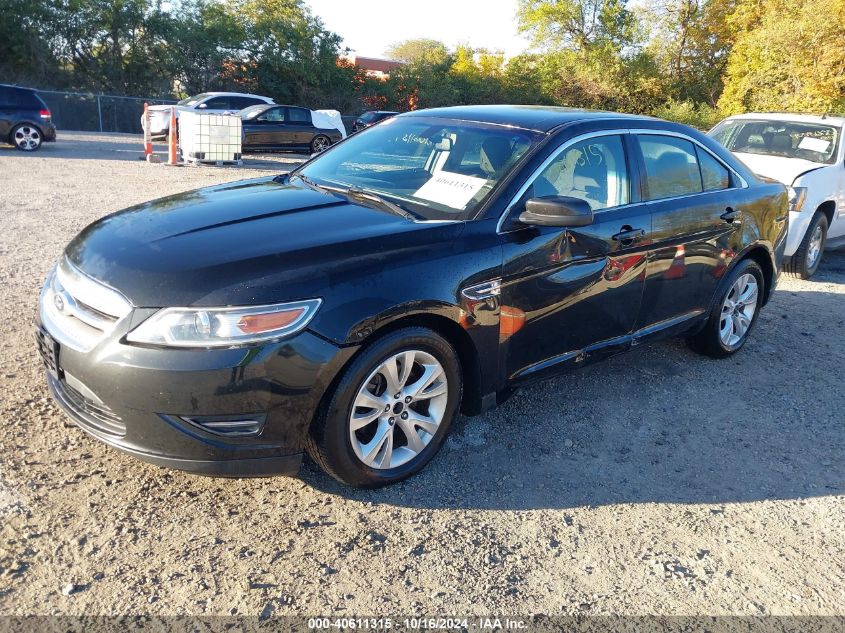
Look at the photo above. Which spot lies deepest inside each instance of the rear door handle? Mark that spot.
(628, 235)
(730, 215)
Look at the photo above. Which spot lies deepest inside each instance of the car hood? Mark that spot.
(780, 168)
(244, 243)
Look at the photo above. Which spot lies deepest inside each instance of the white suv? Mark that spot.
(806, 154)
(211, 102)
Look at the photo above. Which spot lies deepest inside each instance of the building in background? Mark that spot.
(374, 66)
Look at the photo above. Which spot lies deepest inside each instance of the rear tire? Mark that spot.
(320, 143)
(734, 312)
(26, 137)
(362, 436)
(805, 261)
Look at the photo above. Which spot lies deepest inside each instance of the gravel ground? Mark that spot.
(657, 482)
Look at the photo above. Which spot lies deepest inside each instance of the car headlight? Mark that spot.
(224, 327)
(797, 196)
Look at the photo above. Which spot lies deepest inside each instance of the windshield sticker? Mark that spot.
(450, 189)
(814, 144)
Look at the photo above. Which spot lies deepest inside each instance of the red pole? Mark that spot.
(173, 141)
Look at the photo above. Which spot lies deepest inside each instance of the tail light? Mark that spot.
(45, 114)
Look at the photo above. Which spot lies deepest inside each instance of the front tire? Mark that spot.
(391, 410)
(734, 312)
(320, 143)
(805, 262)
(26, 137)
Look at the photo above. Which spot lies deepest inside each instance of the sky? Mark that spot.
(369, 27)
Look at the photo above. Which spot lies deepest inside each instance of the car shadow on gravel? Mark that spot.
(660, 424)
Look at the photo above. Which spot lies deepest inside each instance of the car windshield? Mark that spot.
(808, 141)
(368, 116)
(252, 111)
(436, 168)
(193, 100)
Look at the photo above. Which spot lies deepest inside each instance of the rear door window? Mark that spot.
(671, 166)
(298, 115)
(239, 103)
(714, 175)
(219, 103)
(20, 98)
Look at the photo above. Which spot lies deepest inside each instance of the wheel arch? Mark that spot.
(828, 208)
(761, 255)
(445, 327)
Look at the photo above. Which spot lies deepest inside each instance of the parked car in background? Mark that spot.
(282, 127)
(427, 266)
(210, 102)
(371, 117)
(805, 153)
(25, 120)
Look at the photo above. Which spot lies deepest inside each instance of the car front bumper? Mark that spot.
(153, 403)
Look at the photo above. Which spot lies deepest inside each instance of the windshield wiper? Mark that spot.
(384, 203)
(360, 194)
(310, 183)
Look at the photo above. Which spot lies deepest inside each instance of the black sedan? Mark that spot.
(371, 117)
(281, 127)
(426, 266)
(25, 120)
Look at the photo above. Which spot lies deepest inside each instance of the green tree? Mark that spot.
(787, 55)
(425, 51)
(577, 24)
(690, 41)
(209, 39)
(288, 54)
(25, 54)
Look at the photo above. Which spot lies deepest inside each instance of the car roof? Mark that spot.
(234, 94)
(789, 117)
(18, 87)
(537, 118)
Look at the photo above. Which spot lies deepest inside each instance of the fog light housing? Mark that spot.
(245, 425)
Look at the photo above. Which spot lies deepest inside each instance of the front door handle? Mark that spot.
(628, 236)
(730, 215)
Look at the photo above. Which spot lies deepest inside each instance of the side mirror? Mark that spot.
(202, 106)
(562, 211)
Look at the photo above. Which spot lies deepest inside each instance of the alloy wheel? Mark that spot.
(738, 310)
(321, 143)
(398, 409)
(814, 248)
(27, 138)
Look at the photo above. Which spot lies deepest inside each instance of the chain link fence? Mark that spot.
(86, 112)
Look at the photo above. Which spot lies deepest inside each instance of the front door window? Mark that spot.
(593, 170)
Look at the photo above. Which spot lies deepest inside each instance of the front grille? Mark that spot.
(77, 310)
(47, 351)
(95, 414)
